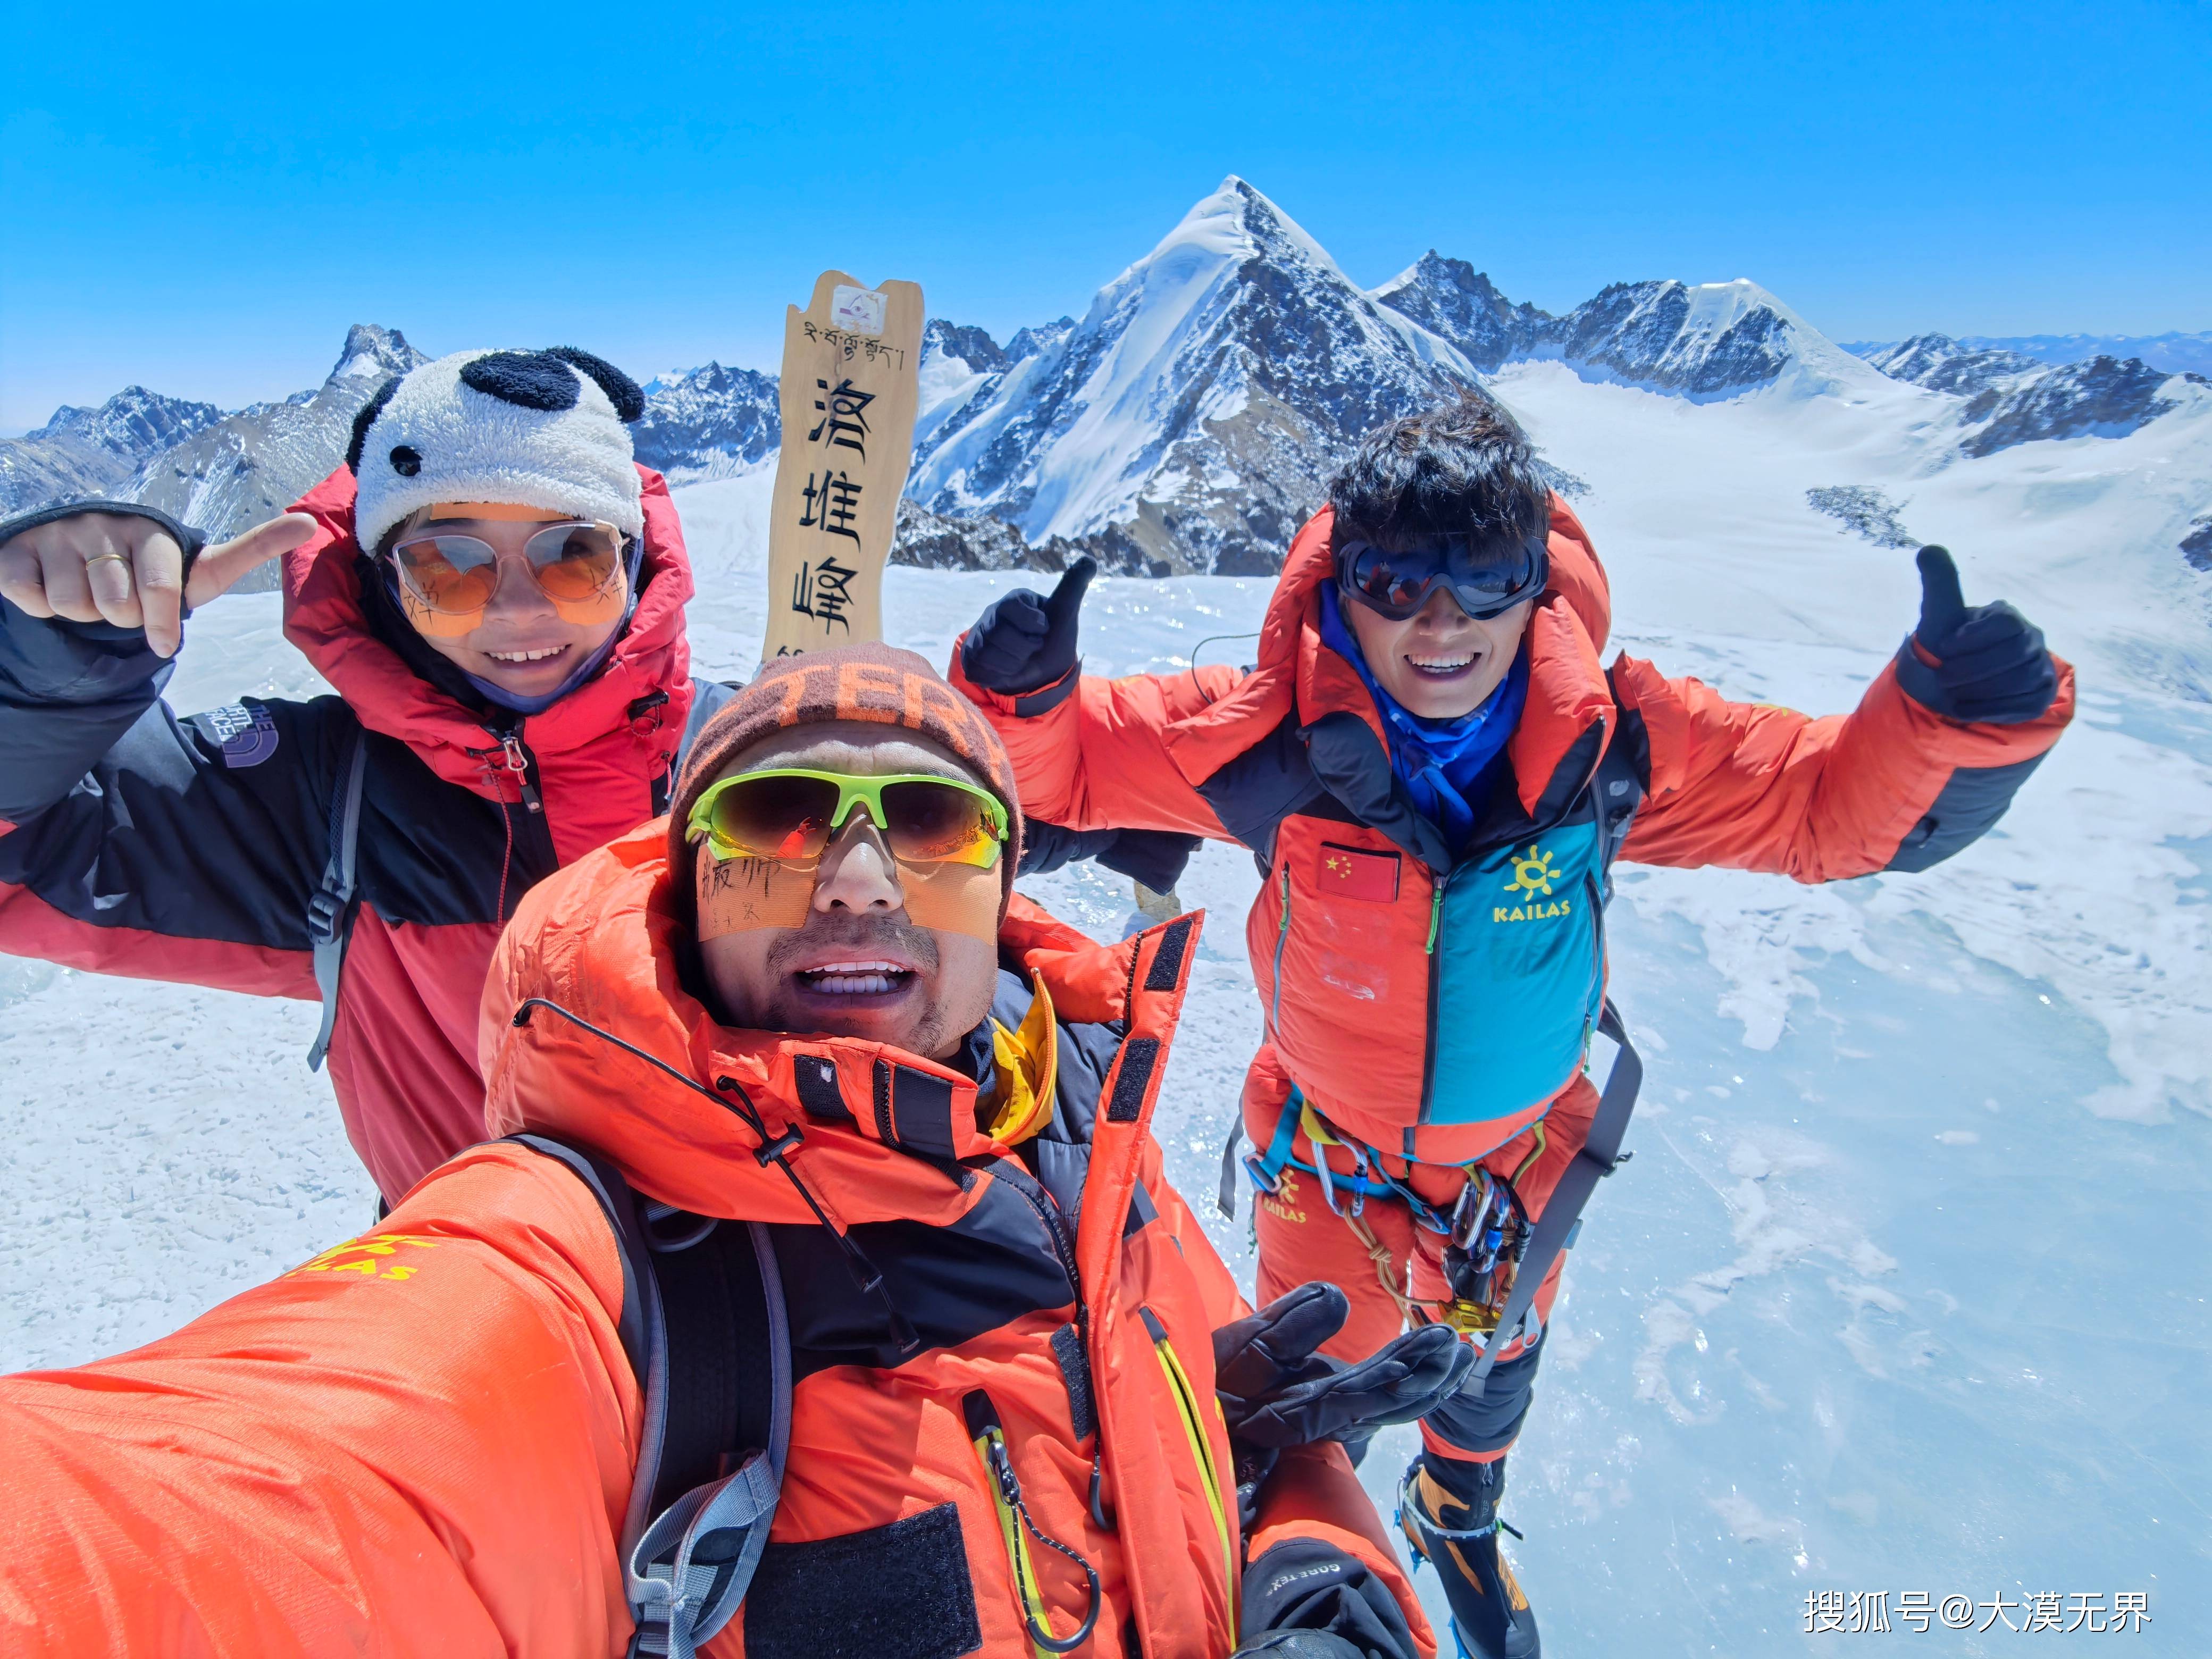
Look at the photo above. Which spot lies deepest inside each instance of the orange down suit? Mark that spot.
(1364, 910)
(422, 1441)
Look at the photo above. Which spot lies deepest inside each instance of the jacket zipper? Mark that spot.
(1596, 902)
(1063, 1248)
(522, 767)
(1282, 938)
(1201, 1449)
(1437, 884)
(1017, 1526)
(1436, 922)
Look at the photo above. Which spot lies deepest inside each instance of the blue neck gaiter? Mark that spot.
(1448, 767)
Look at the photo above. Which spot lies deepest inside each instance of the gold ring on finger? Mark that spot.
(120, 558)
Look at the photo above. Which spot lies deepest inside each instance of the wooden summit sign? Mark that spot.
(851, 362)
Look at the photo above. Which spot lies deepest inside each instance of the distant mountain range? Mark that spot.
(1189, 420)
(2014, 398)
(2175, 353)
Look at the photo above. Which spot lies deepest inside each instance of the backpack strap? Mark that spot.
(1617, 791)
(704, 1325)
(708, 698)
(330, 911)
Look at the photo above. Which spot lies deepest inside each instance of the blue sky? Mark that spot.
(202, 199)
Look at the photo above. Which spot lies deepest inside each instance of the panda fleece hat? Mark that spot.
(524, 429)
(876, 683)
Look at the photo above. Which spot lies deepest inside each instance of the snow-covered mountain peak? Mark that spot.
(1028, 342)
(1192, 418)
(1239, 221)
(1452, 300)
(1942, 364)
(134, 423)
(90, 452)
(708, 422)
(1708, 340)
(375, 354)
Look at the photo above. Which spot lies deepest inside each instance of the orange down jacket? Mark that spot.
(1434, 1003)
(422, 1442)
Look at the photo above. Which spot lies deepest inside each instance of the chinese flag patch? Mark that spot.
(1355, 873)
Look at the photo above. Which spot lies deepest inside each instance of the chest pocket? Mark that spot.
(1518, 976)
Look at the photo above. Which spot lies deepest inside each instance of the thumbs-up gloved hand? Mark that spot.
(1024, 641)
(1983, 665)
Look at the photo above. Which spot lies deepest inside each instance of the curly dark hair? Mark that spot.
(1464, 469)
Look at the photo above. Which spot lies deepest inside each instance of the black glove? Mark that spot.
(1025, 642)
(1276, 1389)
(1992, 666)
(1298, 1645)
(1157, 858)
(1304, 1599)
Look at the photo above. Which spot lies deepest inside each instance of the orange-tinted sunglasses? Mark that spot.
(447, 578)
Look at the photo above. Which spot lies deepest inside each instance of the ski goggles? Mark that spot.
(1485, 581)
(447, 578)
(788, 815)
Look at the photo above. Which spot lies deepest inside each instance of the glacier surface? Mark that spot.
(1906, 1287)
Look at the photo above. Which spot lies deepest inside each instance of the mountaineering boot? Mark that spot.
(1449, 1512)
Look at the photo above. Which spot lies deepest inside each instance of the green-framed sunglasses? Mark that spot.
(790, 813)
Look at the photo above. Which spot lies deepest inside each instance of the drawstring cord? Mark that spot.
(772, 1150)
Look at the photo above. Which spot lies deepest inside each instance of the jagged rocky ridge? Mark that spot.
(2014, 398)
(1942, 364)
(2175, 352)
(1707, 340)
(1188, 422)
(709, 423)
(249, 466)
(94, 452)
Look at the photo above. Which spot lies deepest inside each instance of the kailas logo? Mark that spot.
(1533, 876)
(371, 1257)
(1283, 1202)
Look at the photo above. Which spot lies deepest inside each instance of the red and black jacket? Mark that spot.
(134, 842)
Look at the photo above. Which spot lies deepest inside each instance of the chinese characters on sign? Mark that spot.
(832, 505)
(844, 409)
(823, 592)
(847, 402)
(1869, 1612)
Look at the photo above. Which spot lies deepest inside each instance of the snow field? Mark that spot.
(1904, 1289)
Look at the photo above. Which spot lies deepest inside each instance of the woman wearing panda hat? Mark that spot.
(496, 590)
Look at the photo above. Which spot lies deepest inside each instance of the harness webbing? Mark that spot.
(1555, 1230)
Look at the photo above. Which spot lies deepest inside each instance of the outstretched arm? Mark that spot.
(1928, 761)
(417, 1443)
(132, 841)
(1088, 753)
